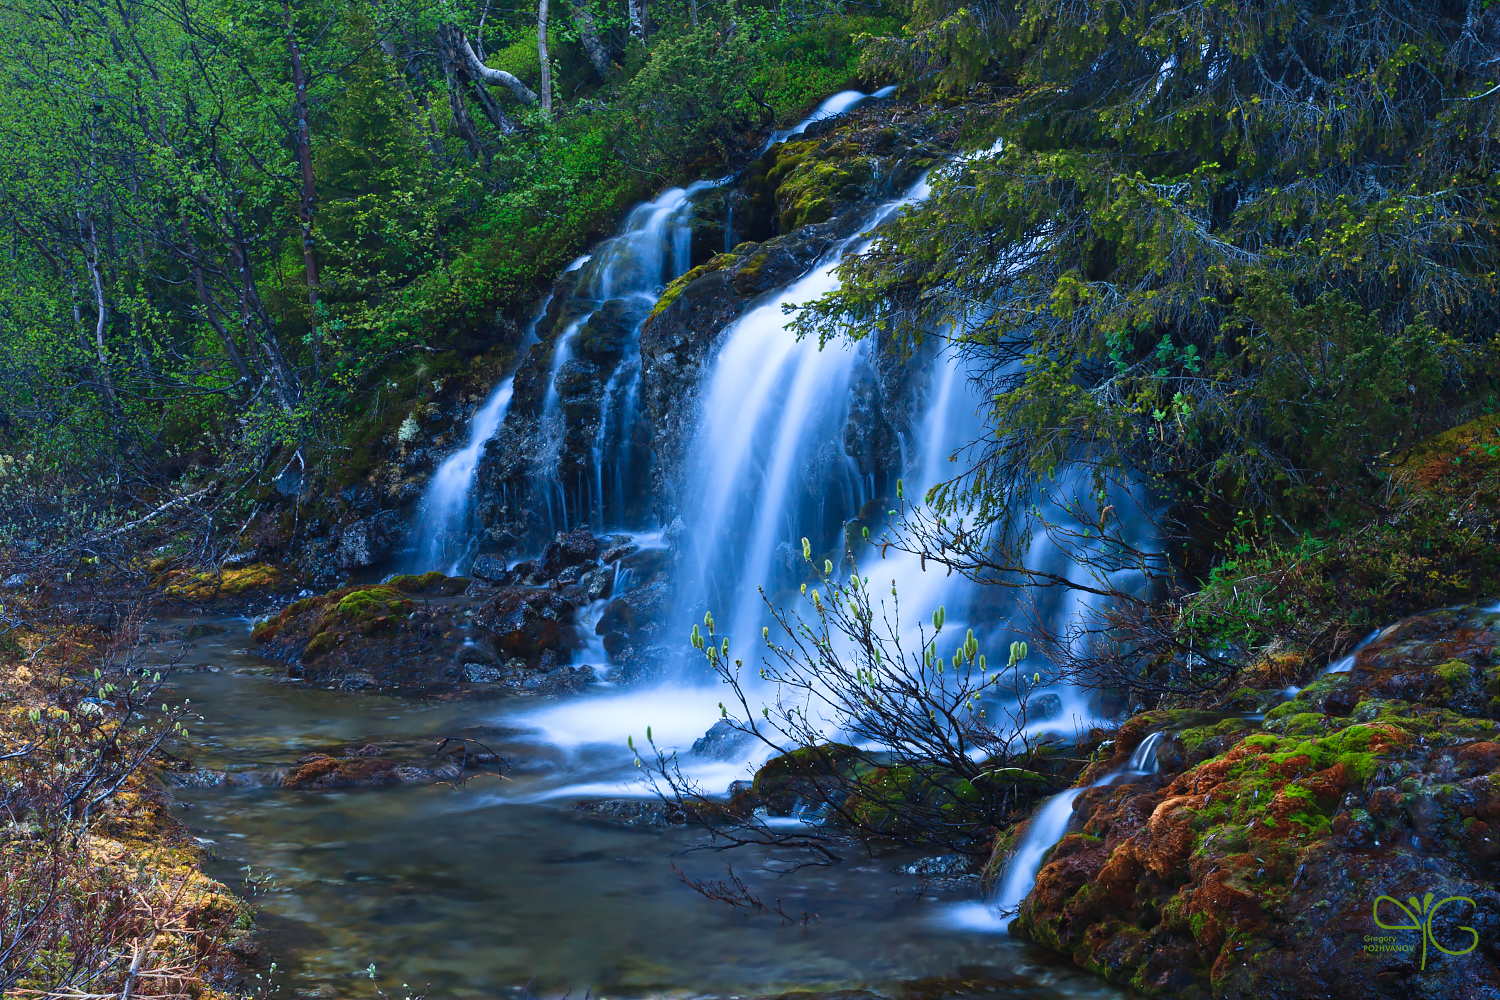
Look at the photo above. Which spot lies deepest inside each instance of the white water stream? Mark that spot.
(1048, 825)
(447, 522)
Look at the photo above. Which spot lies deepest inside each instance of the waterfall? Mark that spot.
(1050, 824)
(630, 270)
(771, 402)
(838, 104)
(445, 537)
(627, 276)
(445, 532)
(769, 463)
(1343, 664)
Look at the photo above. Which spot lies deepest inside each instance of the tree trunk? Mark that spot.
(101, 306)
(452, 65)
(541, 51)
(693, 11)
(481, 72)
(253, 313)
(471, 74)
(636, 11)
(588, 34)
(210, 310)
(304, 159)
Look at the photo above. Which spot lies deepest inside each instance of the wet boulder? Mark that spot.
(809, 778)
(634, 620)
(379, 637)
(723, 742)
(610, 329)
(320, 771)
(490, 568)
(634, 813)
(528, 624)
(366, 541)
(573, 548)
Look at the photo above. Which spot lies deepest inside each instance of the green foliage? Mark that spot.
(158, 325)
(1238, 251)
(1435, 545)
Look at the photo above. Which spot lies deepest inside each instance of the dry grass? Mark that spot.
(101, 891)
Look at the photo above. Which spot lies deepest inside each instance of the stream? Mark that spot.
(500, 885)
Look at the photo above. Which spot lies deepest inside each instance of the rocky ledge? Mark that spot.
(1255, 863)
(508, 632)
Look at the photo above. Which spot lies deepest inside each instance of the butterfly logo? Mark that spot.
(1420, 913)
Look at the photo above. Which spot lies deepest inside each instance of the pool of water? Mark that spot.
(500, 885)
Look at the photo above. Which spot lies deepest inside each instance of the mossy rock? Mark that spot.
(816, 188)
(672, 291)
(809, 776)
(385, 637)
(1475, 444)
(318, 645)
(1250, 871)
(205, 586)
(909, 801)
(365, 607)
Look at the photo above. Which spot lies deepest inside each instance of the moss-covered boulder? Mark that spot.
(394, 637)
(923, 802)
(206, 585)
(1251, 866)
(809, 778)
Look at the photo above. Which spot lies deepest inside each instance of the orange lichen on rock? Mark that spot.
(1249, 865)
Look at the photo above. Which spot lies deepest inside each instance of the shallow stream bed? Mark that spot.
(501, 886)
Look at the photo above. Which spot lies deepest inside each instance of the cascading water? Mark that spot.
(626, 277)
(1048, 825)
(771, 403)
(838, 104)
(772, 462)
(445, 540)
(446, 531)
(768, 465)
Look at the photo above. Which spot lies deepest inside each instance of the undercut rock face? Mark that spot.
(1251, 865)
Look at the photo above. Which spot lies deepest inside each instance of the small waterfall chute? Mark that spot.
(1050, 824)
(444, 539)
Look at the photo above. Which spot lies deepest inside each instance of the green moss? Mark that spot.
(1260, 786)
(906, 800)
(812, 191)
(786, 157)
(672, 291)
(1287, 709)
(297, 607)
(1302, 724)
(418, 584)
(206, 586)
(1194, 738)
(1455, 671)
(806, 763)
(752, 266)
(318, 645)
(368, 608)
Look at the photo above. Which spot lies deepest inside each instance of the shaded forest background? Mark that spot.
(241, 236)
